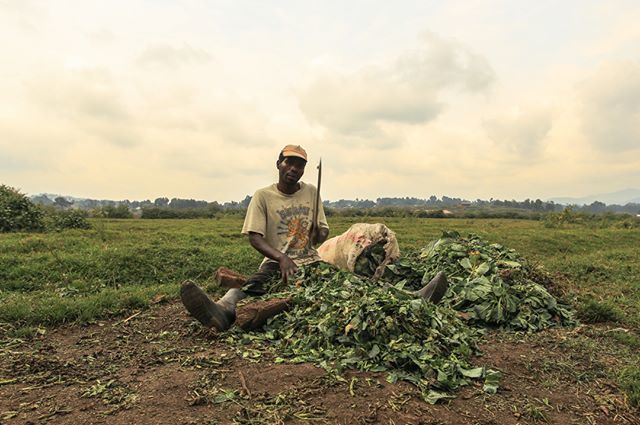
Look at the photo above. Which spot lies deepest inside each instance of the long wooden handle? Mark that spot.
(316, 203)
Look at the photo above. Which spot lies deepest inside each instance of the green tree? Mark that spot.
(120, 211)
(62, 202)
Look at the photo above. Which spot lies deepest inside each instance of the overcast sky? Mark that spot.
(195, 98)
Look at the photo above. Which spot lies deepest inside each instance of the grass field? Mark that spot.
(122, 266)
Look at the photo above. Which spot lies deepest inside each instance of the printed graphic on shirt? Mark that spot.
(294, 225)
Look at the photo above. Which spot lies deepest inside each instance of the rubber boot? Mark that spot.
(435, 289)
(227, 304)
(219, 315)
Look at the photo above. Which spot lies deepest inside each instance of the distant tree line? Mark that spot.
(433, 206)
(446, 202)
(162, 207)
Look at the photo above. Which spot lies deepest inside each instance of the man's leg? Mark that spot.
(222, 314)
(435, 289)
(255, 284)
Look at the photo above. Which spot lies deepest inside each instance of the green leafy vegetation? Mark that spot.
(341, 321)
(491, 284)
(18, 213)
(112, 393)
(344, 321)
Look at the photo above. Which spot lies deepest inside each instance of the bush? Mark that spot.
(429, 214)
(110, 211)
(18, 213)
(160, 212)
(68, 219)
(594, 220)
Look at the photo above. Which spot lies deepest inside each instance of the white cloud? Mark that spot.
(23, 14)
(89, 99)
(521, 133)
(610, 107)
(359, 108)
(238, 125)
(172, 57)
(439, 63)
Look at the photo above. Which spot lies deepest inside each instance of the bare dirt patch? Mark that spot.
(160, 367)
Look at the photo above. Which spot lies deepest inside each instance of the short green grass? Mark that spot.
(630, 382)
(120, 264)
(81, 275)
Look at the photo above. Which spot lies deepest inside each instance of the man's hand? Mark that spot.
(318, 234)
(287, 267)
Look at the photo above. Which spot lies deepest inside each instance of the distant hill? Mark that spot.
(622, 197)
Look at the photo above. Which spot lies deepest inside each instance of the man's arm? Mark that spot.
(287, 266)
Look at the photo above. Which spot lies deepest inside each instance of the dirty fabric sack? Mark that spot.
(364, 249)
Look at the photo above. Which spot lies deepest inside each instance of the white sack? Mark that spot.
(342, 251)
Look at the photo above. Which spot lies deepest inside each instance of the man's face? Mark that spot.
(291, 169)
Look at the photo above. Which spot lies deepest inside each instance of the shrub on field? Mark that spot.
(429, 214)
(156, 212)
(159, 212)
(18, 213)
(511, 213)
(111, 211)
(594, 220)
(628, 222)
(68, 219)
(345, 212)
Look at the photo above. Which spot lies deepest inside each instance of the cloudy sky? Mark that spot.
(195, 98)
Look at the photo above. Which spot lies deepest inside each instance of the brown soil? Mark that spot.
(160, 367)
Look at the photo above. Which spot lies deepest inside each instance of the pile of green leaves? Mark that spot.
(490, 284)
(341, 320)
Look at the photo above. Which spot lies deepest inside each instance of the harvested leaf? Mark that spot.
(340, 320)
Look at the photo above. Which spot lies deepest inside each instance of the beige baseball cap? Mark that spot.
(294, 150)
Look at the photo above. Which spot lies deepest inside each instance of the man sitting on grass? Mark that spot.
(279, 223)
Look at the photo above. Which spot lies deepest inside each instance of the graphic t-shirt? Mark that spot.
(285, 221)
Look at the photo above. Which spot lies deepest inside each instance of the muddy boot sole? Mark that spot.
(435, 290)
(205, 311)
(256, 314)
